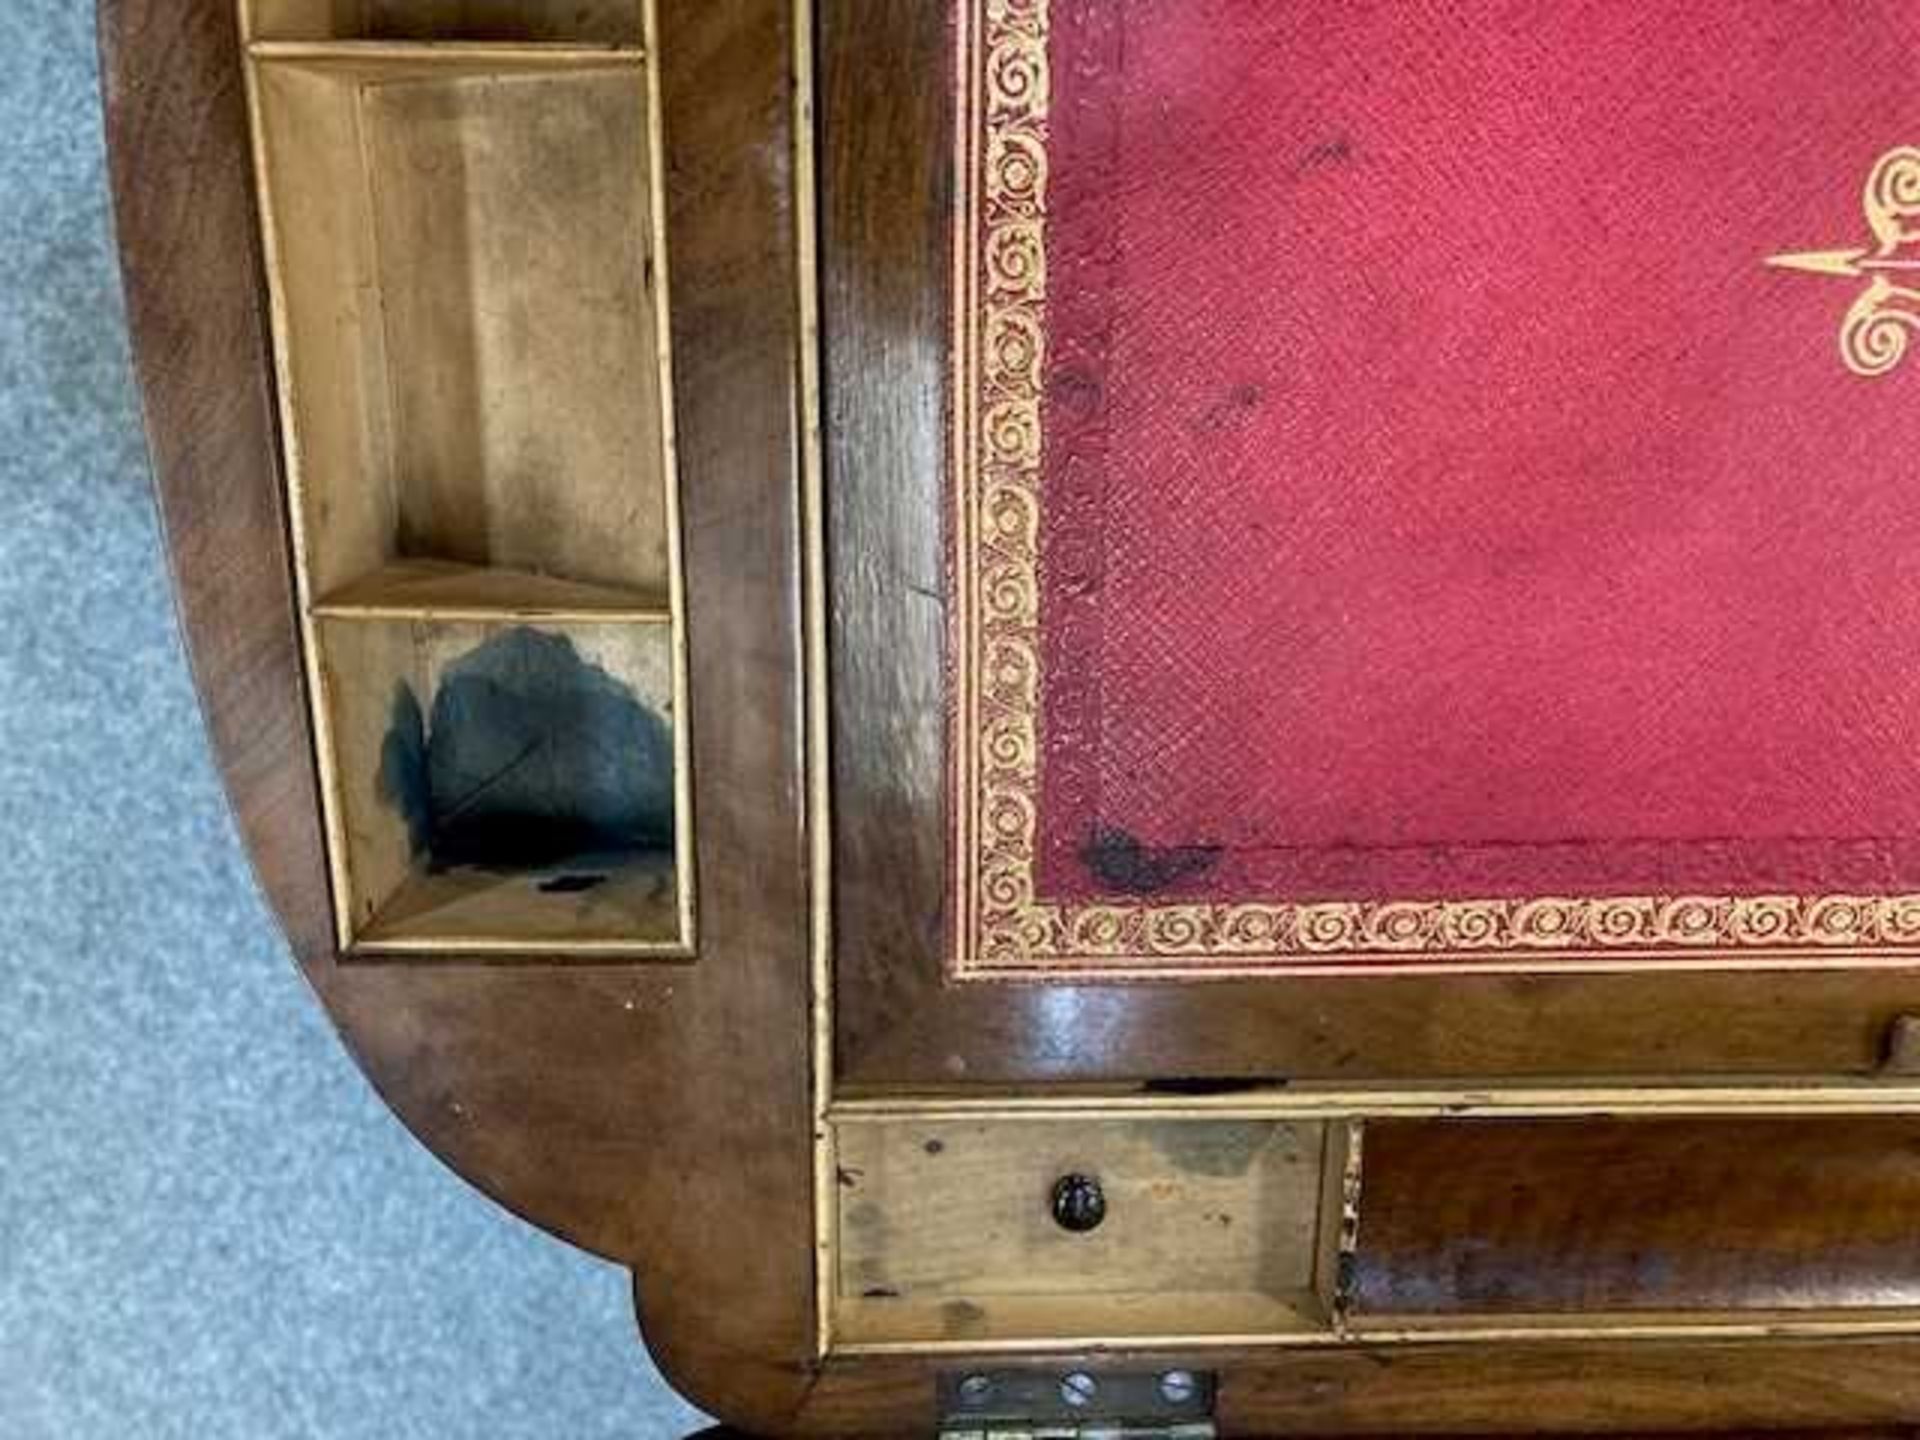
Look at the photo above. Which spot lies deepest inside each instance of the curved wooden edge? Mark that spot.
(658, 1115)
(183, 204)
(1624, 1388)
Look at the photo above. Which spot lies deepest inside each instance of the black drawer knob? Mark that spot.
(1079, 1204)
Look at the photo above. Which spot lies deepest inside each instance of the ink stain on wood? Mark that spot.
(403, 769)
(571, 884)
(530, 755)
(1120, 861)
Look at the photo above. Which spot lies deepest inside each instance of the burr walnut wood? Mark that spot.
(662, 1117)
(1587, 1217)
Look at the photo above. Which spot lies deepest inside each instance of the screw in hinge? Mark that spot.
(1178, 1387)
(976, 1390)
(1079, 1389)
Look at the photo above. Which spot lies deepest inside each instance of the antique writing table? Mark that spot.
(1192, 717)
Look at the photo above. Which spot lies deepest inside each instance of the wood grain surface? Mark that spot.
(661, 1116)
(1588, 1217)
(946, 1230)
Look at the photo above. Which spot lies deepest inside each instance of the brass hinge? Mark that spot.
(1077, 1405)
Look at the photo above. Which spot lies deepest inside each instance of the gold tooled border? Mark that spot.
(1002, 927)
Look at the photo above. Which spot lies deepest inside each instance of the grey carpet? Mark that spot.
(208, 1226)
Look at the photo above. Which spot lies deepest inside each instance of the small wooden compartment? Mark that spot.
(464, 243)
(607, 22)
(503, 784)
(470, 330)
(945, 1232)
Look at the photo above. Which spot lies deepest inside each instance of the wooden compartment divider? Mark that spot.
(465, 252)
(593, 22)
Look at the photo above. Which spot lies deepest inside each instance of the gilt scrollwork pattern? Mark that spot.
(1004, 927)
(1000, 471)
(1892, 200)
(1880, 324)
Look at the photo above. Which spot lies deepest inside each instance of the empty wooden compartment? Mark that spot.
(503, 786)
(467, 274)
(946, 1232)
(608, 22)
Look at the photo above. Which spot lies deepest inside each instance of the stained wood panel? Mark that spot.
(946, 1232)
(563, 1091)
(1590, 1218)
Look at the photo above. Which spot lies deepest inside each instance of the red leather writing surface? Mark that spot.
(1441, 495)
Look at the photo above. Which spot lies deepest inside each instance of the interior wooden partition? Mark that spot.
(464, 241)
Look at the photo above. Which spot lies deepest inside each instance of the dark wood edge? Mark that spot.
(905, 1028)
(658, 1115)
(1744, 1215)
(1594, 1387)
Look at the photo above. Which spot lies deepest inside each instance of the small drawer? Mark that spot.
(1592, 1224)
(948, 1229)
